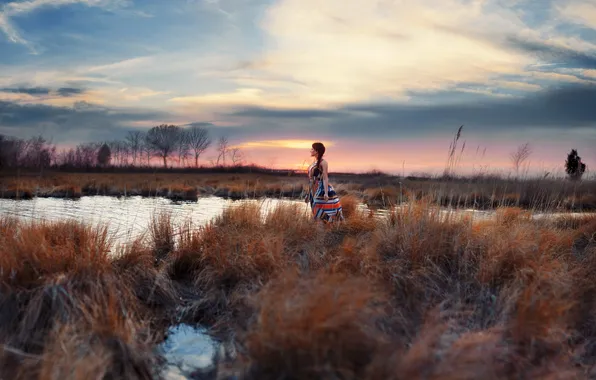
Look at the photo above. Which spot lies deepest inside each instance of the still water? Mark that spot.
(126, 218)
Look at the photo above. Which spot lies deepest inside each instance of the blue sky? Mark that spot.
(366, 73)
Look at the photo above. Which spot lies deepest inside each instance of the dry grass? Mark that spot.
(375, 190)
(418, 294)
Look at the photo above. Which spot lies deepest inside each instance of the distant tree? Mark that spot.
(12, 151)
(237, 156)
(104, 155)
(119, 151)
(86, 155)
(146, 150)
(2, 151)
(163, 140)
(574, 166)
(222, 149)
(519, 156)
(198, 141)
(183, 148)
(134, 141)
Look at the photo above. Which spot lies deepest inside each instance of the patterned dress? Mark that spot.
(326, 210)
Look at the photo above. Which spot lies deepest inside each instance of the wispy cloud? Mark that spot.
(11, 33)
(579, 11)
(18, 8)
(126, 64)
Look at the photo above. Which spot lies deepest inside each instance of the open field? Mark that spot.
(375, 189)
(414, 295)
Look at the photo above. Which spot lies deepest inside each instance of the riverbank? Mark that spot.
(412, 295)
(373, 189)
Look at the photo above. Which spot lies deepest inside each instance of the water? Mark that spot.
(126, 218)
(186, 351)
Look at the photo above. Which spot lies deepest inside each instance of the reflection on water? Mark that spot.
(126, 218)
(186, 351)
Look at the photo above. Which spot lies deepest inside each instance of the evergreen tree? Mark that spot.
(104, 155)
(574, 166)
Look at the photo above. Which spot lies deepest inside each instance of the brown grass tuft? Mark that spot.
(319, 327)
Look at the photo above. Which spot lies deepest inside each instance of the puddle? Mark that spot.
(188, 352)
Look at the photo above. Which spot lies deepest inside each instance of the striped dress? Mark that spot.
(326, 210)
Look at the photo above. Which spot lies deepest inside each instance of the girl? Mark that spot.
(324, 202)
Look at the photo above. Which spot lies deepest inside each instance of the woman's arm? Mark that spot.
(325, 168)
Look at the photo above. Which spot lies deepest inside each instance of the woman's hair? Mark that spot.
(320, 149)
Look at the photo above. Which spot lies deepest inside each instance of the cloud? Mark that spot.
(284, 113)
(560, 55)
(374, 49)
(69, 91)
(18, 8)
(11, 33)
(581, 12)
(33, 91)
(81, 122)
(560, 109)
(43, 93)
(121, 66)
(322, 55)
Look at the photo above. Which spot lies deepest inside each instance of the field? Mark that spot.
(374, 189)
(415, 295)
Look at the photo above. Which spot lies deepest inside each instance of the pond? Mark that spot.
(128, 218)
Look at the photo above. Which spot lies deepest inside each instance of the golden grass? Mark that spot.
(418, 294)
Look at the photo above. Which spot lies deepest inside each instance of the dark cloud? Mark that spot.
(557, 109)
(201, 124)
(34, 91)
(69, 91)
(44, 91)
(562, 56)
(82, 122)
(285, 113)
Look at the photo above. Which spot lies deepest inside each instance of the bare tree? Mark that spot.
(146, 150)
(163, 140)
(118, 151)
(134, 140)
(37, 153)
(199, 141)
(237, 156)
(222, 149)
(86, 155)
(183, 148)
(519, 156)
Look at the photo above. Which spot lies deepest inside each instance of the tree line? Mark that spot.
(168, 145)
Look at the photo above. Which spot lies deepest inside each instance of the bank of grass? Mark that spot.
(413, 295)
(374, 189)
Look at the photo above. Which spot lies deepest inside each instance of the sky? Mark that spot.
(385, 84)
